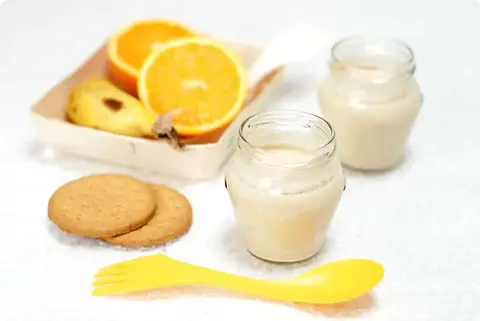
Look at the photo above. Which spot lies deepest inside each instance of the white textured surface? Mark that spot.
(421, 221)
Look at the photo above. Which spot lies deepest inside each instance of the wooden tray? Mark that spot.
(201, 158)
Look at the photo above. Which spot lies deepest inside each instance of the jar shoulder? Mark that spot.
(287, 181)
(405, 98)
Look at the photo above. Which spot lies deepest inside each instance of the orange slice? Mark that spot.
(129, 48)
(202, 82)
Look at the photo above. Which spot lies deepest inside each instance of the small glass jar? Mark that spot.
(372, 100)
(285, 183)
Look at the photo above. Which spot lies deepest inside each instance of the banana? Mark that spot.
(97, 103)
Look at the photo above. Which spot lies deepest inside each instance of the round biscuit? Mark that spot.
(102, 205)
(172, 218)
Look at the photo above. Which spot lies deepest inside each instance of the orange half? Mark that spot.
(129, 48)
(200, 80)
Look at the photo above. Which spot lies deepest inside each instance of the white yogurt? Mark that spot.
(285, 186)
(372, 101)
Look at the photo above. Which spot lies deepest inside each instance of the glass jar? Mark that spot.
(372, 100)
(285, 183)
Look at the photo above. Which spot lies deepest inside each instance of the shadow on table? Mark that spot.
(352, 308)
(233, 249)
(70, 240)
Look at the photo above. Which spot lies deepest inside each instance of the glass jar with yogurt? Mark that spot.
(372, 100)
(285, 183)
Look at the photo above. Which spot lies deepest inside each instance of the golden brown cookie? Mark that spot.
(172, 218)
(102, 205)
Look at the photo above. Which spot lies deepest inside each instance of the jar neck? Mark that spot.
(380, 68)
(376, 73)
(286, 140)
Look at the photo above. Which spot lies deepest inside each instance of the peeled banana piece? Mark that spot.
(97, 103)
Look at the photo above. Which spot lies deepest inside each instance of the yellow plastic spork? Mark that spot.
(331, 283)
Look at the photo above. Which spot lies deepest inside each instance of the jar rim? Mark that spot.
(375, 40)
(287, 115)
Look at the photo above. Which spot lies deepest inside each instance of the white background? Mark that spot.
(420, 221)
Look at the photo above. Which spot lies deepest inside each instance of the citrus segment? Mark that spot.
(129, 48)
(202, 82)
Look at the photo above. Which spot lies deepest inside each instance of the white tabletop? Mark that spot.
(421, 221)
